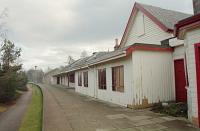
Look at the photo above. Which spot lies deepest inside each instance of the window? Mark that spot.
(85, 79)
(80, 79)
(118, 78)
(102, 78)
(71, 78)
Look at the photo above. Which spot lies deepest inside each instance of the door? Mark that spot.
(197, 59)
(180, 81)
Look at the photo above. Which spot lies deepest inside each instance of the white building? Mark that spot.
(189, 31)
(141, 70)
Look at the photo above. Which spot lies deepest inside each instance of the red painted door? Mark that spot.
(180, 81)
(197, 59)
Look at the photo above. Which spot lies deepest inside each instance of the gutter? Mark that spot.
(123, 54)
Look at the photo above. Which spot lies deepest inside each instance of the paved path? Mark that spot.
(11, 119)
(66, 110)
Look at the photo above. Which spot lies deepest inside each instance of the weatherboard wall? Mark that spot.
(91, 80)
(120, 98)
(144, 30)
(153, 77)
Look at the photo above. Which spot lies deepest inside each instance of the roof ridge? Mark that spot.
(142, 4)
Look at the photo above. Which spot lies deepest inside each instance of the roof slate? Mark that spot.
(167, 17)
(96, 57)
(101, 56)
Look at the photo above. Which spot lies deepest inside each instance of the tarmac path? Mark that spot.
(65, 110)
(11, 119)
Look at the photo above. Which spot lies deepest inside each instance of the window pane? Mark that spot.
(102, 78)
(118, 78)
(85, 75)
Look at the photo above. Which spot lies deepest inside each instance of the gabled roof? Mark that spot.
(165, 19)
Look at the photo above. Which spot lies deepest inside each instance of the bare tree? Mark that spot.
(84, 54)
(35, 75)
(70, 60)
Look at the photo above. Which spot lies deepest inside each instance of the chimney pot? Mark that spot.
(116, 44)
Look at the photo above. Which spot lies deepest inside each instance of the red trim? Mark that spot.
(197, 58)
(137, 7)
(133, 12)
(186, 22)
(148, 48)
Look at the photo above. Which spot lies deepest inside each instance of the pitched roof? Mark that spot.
(102, 57)
(53, 72)
(168, 17)
(165, 19)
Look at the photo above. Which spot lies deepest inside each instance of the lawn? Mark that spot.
(33, 117)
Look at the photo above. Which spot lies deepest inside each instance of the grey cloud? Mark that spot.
(48, 31)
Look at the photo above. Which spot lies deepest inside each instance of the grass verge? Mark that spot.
(33, 117)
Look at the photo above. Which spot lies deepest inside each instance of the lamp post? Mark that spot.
(35, 75)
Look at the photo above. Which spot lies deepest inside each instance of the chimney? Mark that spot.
(116, 44)
(196, 5)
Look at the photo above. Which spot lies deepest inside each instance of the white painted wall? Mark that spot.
(66, 80)
(191, 38)
(120, 98)
(91, 80)
(179, 52)
(54, 81)
(109, 95)
(153, 34)
(147, 75)
(63, 81)
(176, 42)
(71, 85)
(153, 77)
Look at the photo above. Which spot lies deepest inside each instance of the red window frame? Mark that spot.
(102, 79)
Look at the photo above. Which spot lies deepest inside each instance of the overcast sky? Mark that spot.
(50, 30)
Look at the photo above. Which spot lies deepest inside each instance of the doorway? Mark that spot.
(180, 81)
(197, 59)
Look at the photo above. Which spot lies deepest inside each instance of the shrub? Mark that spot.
(173, 109)
(7, 87)
(22, 81)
